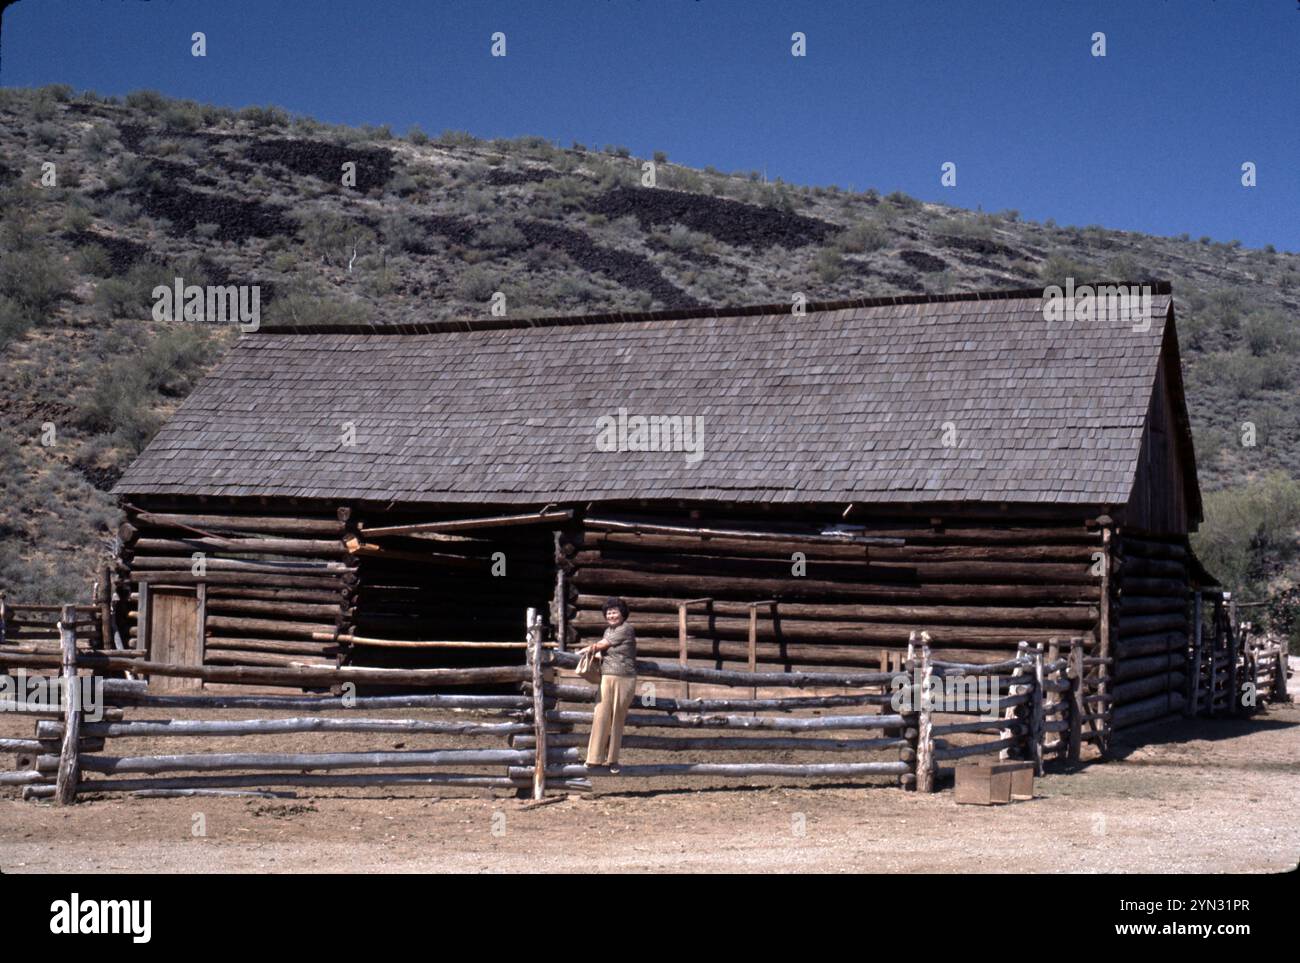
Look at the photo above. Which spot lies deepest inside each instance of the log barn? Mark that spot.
(824, 482)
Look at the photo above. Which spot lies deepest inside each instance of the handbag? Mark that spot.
(589, 665)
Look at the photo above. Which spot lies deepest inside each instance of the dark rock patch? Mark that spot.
(734, 223)
(979, 245)
(499, 177)
(925, 263)
(623, 267)
(235, 219)
(123, 253)
(322, 160)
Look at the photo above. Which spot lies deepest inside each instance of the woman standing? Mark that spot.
(617, 686)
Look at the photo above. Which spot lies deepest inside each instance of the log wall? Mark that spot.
(978, 588)
(1151, 630)
(279, 584)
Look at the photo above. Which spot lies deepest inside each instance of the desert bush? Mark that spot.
(1247, 527)
(457, 138)
(262, 118)
(182, 117)
(14, 320)
(1060, 266)
(829, 265)
(868, 235)
(93, 259)
(149, 101)
(47, 135)
(402, 233)
(476, 284)
(685, 241)
(502, 236)
(35, 279)
(1268, 331)
(306, 307)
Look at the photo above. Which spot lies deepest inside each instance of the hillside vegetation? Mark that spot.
(148, 189)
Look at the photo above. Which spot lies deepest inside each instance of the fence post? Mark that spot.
(1036, 714)
(1078, 704)
(1014, 713)
(1194, 669)
(911, 721)
(539, 702)
(925, 727)
(69, 765)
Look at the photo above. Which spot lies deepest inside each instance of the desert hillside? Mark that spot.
(147, 189)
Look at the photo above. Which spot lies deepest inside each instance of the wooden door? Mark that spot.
(174, 620)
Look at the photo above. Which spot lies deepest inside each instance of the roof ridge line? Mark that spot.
(676, 314)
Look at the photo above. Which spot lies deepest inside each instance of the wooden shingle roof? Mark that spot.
(852, 402)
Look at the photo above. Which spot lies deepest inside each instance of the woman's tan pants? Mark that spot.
(616, 693)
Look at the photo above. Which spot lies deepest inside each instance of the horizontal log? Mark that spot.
(322, 597)
(1175, 588)
(767, 654)
(756, 533)
(150, 728)
(824, 550)
(237, 523)
(185, 564)
(807, 771)
(22, 777)
(280, 608)
(802, 630)
(366, 642)
(1127, 605)
(284, 646)
(213, 655)
(743, 722)
(720, 743)
(573, 693)
(1037, 572)
(1138, 625)
(294, 762)
(1137, 689)
(980, 725)
(928, 615)
(294, 703)
(908, 532)
(1147, 548)
(211, 784)
(1132, 567)
(949, 753)
(249, 579)
(244, 546)
(466, 524)
(1149, 644)
(633, 581)
(670, 670)
(1124, 716)
(273, 627)
(1148, 665)
(295, 676)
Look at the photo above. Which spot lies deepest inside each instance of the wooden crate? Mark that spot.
(994, 781)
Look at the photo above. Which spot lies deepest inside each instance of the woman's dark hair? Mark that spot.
(615, 603)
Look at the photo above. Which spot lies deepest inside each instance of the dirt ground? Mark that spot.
(1202, 796)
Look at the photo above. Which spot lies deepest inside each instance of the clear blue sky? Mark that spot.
(1151, 137)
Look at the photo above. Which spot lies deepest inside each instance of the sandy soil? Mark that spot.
(1198, 797)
